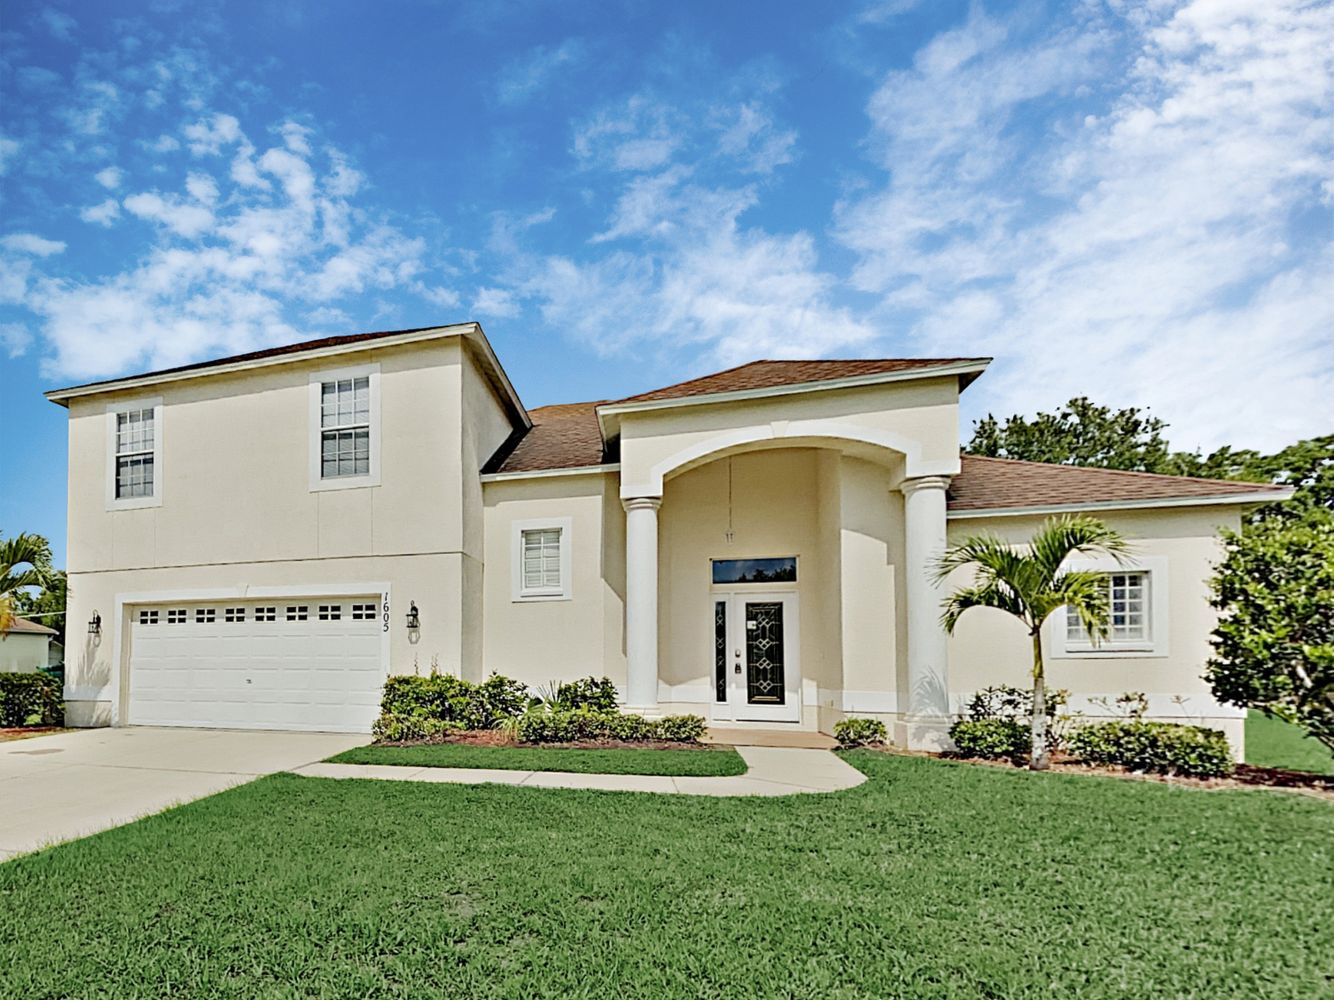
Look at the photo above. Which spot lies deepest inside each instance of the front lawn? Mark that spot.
(1275, 743)
(933, 879)
(704, 762)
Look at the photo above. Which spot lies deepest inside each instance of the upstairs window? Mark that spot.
(345, 428)
(134, 454)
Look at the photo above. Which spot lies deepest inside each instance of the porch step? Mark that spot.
(770, 738)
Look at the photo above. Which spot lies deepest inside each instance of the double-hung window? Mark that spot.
(542, 560)
(345, 428)
(134, 454)
(1137, 612)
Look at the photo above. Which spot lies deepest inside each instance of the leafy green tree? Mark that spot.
(1030, 583)
(23, 550)
(1080, 433)
(46, 606)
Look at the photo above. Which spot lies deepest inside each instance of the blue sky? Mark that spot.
(1129, 201)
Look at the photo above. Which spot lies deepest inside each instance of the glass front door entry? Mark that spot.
(756, 674)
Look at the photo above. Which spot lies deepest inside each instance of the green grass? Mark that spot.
(933, 879)
(694, 762)
(1275, 743)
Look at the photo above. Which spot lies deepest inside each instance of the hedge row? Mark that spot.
(35, 699)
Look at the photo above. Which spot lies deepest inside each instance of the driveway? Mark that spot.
(69, 785)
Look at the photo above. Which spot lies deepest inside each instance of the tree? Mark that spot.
(1080, 433)
(1274, 590)
(47, 606)
(1030, 583)
(32, 551)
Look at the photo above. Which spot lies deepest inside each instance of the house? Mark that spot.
(26, 646)
(258, 541)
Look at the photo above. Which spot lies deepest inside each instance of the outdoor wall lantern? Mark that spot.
(95, 624)
(414, 618)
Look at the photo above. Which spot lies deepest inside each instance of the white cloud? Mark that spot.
(209, 136)
(59, 24)
(174, 213)
(8, 150)
(31, 243)
(109, 177)
(497, 302)
(15, 339)
(523, 78)
(640, 134)
(747, 132)
(1169, 248)
(102, 214)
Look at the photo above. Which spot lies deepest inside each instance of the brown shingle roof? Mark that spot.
(31, 628)
(997, 483)
(772, 374)
(566, 436)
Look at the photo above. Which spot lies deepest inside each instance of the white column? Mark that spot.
(928, 651)
(641, 602)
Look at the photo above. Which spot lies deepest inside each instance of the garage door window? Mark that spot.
(298, 613)
(363, 612)
(331, 612)
(176, 616)
(147, 617)
(234, 616)
(269, 614)
(205, 616)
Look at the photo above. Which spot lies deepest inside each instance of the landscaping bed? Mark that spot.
(584, 757)
(933, 879)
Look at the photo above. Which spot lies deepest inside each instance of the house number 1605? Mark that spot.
(384, 613)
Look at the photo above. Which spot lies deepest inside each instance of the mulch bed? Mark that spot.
(23, 732)
(496, 738)
(1245, 776)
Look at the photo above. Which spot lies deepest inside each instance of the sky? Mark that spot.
(1129, 201)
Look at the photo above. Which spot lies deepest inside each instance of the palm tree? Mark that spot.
(1029, 583)
(23, 549)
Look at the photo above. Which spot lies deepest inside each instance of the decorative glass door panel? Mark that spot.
(765, 653)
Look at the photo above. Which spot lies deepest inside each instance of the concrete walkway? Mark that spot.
(67, 785)
(770, 771)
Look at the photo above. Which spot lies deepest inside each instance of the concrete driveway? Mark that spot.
(68, 785)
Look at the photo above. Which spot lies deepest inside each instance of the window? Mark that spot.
(147, 617)
(204, 616)
(269, 614)
(233, 615)
(1138, 608)
(344, 418)
(331, 612)
(134, 454)
(363, 612)
(542, 560)
(176, 616)
(297, 613)
(728, 571)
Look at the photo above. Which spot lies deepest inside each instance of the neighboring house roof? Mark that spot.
(22, 625)
(987, 484)
(773, 374)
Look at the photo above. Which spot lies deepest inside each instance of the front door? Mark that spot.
(757, 674)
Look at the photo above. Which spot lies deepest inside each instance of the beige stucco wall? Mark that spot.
(23, 652)
(918, 420)
(238, 510)
(538, 641)
(991, 648)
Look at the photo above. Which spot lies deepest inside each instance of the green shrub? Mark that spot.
(596, 693)
(681, 728)
(451, 699)
(31, 700)
(1154, 747)
(402, 728)
(854, 732)
(992, 738)
(560, 725)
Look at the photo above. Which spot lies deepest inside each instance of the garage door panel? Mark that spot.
(241, 671)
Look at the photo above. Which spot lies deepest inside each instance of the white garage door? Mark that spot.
(292, 664)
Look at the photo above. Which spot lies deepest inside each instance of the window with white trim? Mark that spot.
(206, 616)
(541, 564)
(363, 612)
(266, 614)
(135, 435)
(345, 427)
(1130, 614)
(147, 617)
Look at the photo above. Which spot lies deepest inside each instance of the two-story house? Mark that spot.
(258, 541)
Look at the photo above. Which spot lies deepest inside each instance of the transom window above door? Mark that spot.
(345, 428)
(733, 571)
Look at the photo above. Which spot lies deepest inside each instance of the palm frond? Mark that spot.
(1085, 592)
(24, 549)
(992, 594)
(1069, 534)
